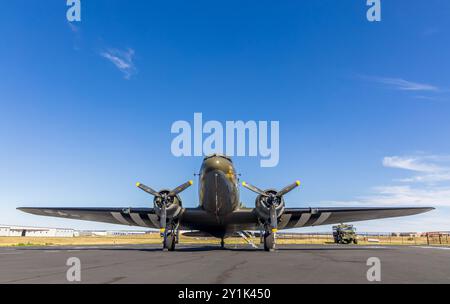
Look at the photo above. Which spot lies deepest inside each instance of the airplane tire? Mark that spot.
(269, 241)
(169, 242)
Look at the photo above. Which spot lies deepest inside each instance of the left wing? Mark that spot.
(304, 217)
(143, 217)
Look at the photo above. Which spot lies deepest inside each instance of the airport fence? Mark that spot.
(382, 238)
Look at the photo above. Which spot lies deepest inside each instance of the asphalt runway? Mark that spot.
(208, 264)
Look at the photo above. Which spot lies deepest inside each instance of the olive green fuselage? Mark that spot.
(218, 186)
(218, 201)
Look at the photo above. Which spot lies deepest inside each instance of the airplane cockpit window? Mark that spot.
(218, 155)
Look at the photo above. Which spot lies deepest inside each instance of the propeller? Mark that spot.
(163, 199)
(273, 200)
(148, 189)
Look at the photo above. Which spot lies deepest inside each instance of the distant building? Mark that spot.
(111, 232)
(8, 230)
(120, 233)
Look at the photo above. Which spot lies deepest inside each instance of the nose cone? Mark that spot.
(218, 163)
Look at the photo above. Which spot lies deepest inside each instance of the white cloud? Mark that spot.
(430, 187)
(404, 85)
(408, 195)
(430, 98)
(432, 168)
(417, 90)
(410, 163)
(123, 60)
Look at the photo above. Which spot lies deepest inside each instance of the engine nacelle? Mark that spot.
(173, 206)
(262, 207)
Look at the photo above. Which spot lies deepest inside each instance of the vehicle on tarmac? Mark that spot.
(345, 234)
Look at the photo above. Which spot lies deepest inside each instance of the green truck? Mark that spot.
(345, 234)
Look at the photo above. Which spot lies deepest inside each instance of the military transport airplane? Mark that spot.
(220, 212)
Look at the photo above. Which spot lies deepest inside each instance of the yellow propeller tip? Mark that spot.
(244, 183)
(298, 183)
(138, 184)
(274, 230)
(191, 182)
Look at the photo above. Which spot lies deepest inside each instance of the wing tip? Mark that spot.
(425, 209)
(26, 209)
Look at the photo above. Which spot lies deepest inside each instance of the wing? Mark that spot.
(142, 217)
(304, 217)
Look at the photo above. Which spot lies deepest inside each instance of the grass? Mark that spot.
(156, 239)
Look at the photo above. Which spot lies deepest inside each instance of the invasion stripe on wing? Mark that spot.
(322, 218)
(293, 220)
(119, 217)
(303, 220)
(284, 221)
(154, 219)
(146, 220)
(136, 217)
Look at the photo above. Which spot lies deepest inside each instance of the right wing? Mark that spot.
(142, 217)
(304, 217)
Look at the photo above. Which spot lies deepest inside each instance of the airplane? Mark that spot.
(220, 213)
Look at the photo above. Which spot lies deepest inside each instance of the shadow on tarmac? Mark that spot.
(204, 248)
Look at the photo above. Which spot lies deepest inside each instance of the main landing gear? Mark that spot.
(170, 237)
(269, 240)
(222, 243)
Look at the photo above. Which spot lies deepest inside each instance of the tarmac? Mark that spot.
(234, 265)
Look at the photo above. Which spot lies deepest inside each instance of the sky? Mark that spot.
(86, 107)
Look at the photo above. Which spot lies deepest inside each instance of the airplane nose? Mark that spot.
(218, 164)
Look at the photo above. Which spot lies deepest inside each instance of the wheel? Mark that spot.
(269, 241)
(355, 241)
(169, 242)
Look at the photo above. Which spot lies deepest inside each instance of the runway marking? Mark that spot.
(352, 247)
(432, 247)
(11, 252)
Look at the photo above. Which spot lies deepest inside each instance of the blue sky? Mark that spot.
(86, 107)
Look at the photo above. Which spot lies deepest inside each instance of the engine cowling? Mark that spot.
(263, 205)
(173, 204)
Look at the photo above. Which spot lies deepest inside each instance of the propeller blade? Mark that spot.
(255, 189)
(181, 188)
(148, 189)
(288, 189)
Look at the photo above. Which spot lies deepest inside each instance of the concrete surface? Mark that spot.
(243, 264)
